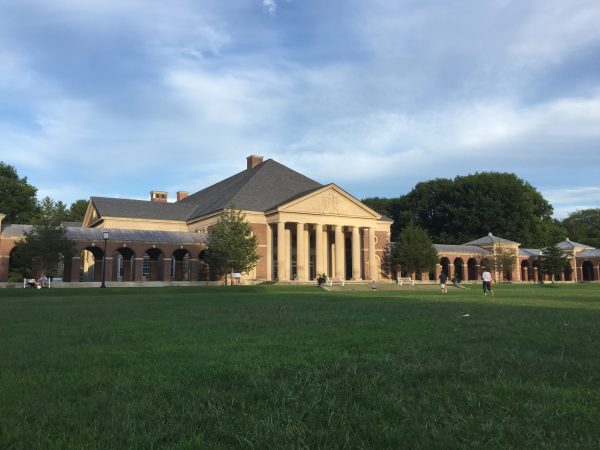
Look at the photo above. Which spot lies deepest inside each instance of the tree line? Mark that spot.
(459, 210)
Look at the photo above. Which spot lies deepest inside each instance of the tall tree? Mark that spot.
(468, 207)
(77, 210)
(231, 245)
(414, 251)
(17, 196)
(584, 226)
(553, 261)
(46, 245)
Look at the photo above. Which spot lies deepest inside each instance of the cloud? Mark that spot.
(270, 6)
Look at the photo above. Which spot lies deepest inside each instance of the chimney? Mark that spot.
(181, 195)
(158, 196)
(253, 160)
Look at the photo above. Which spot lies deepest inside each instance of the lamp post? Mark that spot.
(105, 237)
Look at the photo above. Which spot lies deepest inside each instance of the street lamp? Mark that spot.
(105, 237)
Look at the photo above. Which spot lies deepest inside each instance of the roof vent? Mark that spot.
(158, 196)
(490, 234)
(253, 160)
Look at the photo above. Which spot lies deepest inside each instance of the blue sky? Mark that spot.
(117, 98)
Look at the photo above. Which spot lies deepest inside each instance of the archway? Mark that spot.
(203, 269)
(587, 269)
(472, 269)
(182, 268)
(124, 263)
(458, 269)
(91, 264)
(445, 263)
(153, 263)
(526, 272)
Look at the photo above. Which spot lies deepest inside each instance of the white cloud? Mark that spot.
(270, 6)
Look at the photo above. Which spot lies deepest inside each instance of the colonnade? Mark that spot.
(302, 251)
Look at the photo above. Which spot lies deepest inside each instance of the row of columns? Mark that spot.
(283, 252)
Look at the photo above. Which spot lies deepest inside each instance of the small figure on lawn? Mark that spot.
(443, 280)
(373, 287)
(487, 280)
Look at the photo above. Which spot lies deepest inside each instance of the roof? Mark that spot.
(140, 209)
(530, 252)
(117, 234)
(490, 239)
(590, 253)
(259, 188)
(568, 244)
(447, 248)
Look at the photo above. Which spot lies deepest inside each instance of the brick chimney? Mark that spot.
(181, 195)
(158, 196)
(253, 160)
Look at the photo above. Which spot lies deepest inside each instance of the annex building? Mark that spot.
(303, 229)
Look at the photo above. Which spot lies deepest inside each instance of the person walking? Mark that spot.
(443, 280)
(487, 279)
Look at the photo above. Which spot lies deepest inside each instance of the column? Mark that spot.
(269, 255)
(535, 275)
(326, 250)
(372, 260)
(166, 269)
(108, 261)
(300, 253)
(438, 271)
(288, 255)
(596, 272)
(4, 262)
(465, 272)
(194, 269)
(75, 269)
(137, 275)
(579, 273)
(339, 252)
(450, 270)
(280, 251)
(319, 249)
(478, 271)
(355, 253)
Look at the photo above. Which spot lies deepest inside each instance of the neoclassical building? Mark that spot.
(303, 229)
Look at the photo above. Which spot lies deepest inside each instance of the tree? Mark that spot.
(501, 260)
(468, 207)
(231, 245)
(414, 251)
(77, 210)
(46, 245)
(553, 261)
(17, 196)
(584, 226)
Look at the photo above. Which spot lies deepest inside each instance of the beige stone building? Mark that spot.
(303, 229)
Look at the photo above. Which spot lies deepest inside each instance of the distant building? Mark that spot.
(303, 229)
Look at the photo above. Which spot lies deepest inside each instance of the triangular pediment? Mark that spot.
(330, 200)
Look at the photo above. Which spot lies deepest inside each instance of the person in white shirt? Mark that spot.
(486, 277)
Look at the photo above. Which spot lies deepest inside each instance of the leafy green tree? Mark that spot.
(584, 226)
(77, 210)
(468, 207)
(46, 245)
(501, 260)
(553, 261)
(17, 197)
(414, 251)
(231, 245)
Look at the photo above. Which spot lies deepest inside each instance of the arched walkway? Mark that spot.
(458, 269)
(124, 263)
(90, 268)
(587, 270)
(472, 272)
(182, 267)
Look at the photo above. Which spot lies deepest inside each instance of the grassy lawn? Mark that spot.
(298, 367)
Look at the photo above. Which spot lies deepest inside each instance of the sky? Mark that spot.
(117, 98)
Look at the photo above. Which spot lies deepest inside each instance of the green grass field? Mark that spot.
(298, 367)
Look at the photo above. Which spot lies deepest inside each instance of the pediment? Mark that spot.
(332, 201)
